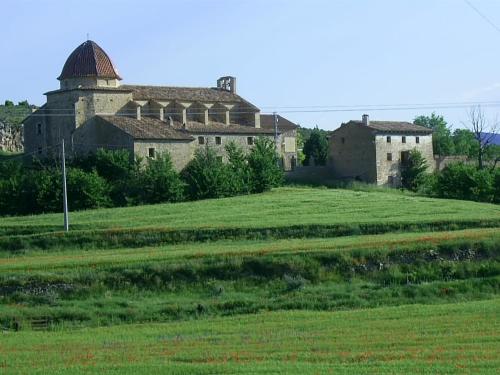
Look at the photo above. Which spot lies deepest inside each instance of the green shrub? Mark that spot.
(465, 181)
(413, 173)
(316, 148)
(87, 190)
(159, 181)
(265, 170)
(206, 176)
(240, 174)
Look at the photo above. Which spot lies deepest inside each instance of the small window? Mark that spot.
(417, 139)
(218, 140)
(388, 139)
(250, 140)
(151, 152)
(201, 140)
(219, 159)
(39, 129)
(342, 140)
(403, 139)
(390, 180)
(39, 150)
(389, 156)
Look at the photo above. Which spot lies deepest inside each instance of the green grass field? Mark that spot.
(295, 280)
(280, 207)
(439, 339)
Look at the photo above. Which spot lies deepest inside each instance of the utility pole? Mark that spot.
(65, 192)
(278, 147)
(275, 115)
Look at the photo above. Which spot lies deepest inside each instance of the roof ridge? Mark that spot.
(180, 87)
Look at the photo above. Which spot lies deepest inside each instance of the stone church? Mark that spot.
(93, 110)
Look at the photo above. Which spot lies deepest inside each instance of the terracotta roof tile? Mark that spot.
(394, 126)
(267, 122)
(89, 60)
(201, 94)
(146, 128)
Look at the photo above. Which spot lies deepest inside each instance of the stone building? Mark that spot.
(374, 151)
(92, 110)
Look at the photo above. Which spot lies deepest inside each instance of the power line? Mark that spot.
(66, 111)
(482, 15)
(297, 109)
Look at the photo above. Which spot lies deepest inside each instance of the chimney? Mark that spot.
(227, 83)
(365, 119)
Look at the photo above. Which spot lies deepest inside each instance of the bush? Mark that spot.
(316, 148)
(159, 182)
(41, 191)
(86, 190)
(117, 167)
(263, 161)
(206, 176)
(11, 180)
(465, 181)
(239, 183)
(496, 184)
(412, 174)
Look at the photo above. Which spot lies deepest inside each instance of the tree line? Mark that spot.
(114, 178)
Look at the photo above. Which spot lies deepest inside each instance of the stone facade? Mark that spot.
(375, 151)
(92, 110)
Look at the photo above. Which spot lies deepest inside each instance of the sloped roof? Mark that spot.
(220, 128)
(267, 122)
(201, 94)
(89, 60)
(393, 127)
(146, 128)
(153, 128)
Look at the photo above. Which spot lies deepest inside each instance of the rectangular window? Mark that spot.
(403, 139)
(405, 157)
(219, 159)
(250, 140)
(417, 139)
(39, 129)
(218, 140)
(151, 152)
(201, 140)
(343, 140)
(39, 150)
(388, 139)
(389, 156)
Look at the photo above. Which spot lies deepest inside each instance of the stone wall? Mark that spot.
(182, 152)
(11, 138)
(389, 171)
(352, 153)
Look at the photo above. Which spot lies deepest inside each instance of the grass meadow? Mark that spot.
(438, 339)
(297, 280)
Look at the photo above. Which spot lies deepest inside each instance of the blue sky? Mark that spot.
(283, 53)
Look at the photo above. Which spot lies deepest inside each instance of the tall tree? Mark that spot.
(465, 143)
(484, 132)
(442, 142)
(316, 148)
(413, 172)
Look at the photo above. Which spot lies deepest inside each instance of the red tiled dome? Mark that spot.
(89, 60)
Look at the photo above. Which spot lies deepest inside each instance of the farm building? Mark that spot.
(375, 151)
(92, 110)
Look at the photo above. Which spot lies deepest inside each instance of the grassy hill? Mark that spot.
(322, 267)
